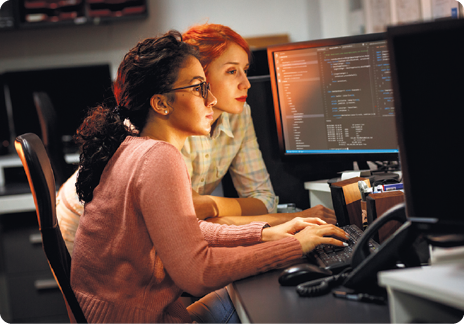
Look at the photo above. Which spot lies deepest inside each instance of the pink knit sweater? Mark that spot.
(139, 244)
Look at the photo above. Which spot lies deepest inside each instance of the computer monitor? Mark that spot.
(72, 90)
(333, 99)
(428, 81)
(4, 123)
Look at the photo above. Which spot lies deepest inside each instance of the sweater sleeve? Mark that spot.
(231, 235)
(165, 201)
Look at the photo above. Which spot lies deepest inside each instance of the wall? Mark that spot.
(334, 21)
(85, 45)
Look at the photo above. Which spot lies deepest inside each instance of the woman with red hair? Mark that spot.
(232, 144)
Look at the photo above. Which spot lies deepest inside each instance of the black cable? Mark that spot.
(321, 286)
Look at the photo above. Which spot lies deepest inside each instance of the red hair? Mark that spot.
(212, 40)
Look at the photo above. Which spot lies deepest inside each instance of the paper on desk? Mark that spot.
(446, 255)
(353, 174)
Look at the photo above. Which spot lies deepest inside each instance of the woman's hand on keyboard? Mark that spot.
(289, 228)
(312, 236)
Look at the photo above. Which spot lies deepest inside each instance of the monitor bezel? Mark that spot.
(336, 155)
(71, 93)
(431, 224)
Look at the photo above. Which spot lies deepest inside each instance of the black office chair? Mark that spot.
(51, 137)
(42, 183)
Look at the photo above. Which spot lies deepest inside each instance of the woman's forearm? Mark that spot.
(271, 219)
(212, 206)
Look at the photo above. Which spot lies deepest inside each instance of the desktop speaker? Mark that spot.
(376, 205)
(346, 199)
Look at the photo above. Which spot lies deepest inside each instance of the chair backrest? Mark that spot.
(42, 183)
(51, 136)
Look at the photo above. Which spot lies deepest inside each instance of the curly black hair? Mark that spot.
(151, 67)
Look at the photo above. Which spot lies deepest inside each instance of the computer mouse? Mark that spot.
(300, 273)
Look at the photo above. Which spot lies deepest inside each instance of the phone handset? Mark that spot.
(398, 247)
(361, 250)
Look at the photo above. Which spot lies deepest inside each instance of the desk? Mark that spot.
(260, 299)
(24, 268)
(17, 197)
(13, 160)
(429, 294)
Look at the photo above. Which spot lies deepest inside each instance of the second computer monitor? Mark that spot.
(333, 99)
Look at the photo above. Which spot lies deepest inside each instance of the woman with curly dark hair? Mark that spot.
(139, 244)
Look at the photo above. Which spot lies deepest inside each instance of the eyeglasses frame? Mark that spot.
(205, 87)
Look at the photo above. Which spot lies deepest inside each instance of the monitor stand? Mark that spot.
(383, 175)
(362, 165)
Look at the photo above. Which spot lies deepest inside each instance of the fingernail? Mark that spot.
(345, 244)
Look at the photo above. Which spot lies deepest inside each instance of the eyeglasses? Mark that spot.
(204, 87)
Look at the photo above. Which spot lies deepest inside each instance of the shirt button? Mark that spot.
(202, 179)
(207, 155)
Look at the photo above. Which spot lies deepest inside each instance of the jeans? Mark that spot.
(216, 307)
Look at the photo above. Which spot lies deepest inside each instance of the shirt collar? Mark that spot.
(223, 125)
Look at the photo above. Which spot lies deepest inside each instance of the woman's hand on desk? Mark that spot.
(289, 228)
(319, 211)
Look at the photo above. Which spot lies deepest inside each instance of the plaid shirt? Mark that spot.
(233, 146)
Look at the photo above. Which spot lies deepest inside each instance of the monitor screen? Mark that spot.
(4, 123)
(333, 99)
(427, 75)
(72, 90)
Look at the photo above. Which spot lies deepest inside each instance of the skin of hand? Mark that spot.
(312, 236)
(321, 212)
(289, 228)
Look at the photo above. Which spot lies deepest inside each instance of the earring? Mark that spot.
(166, 112)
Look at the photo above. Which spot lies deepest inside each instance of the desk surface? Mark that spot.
(15, 196)
(263, 300)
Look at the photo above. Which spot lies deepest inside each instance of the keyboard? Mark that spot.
(337, 258)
